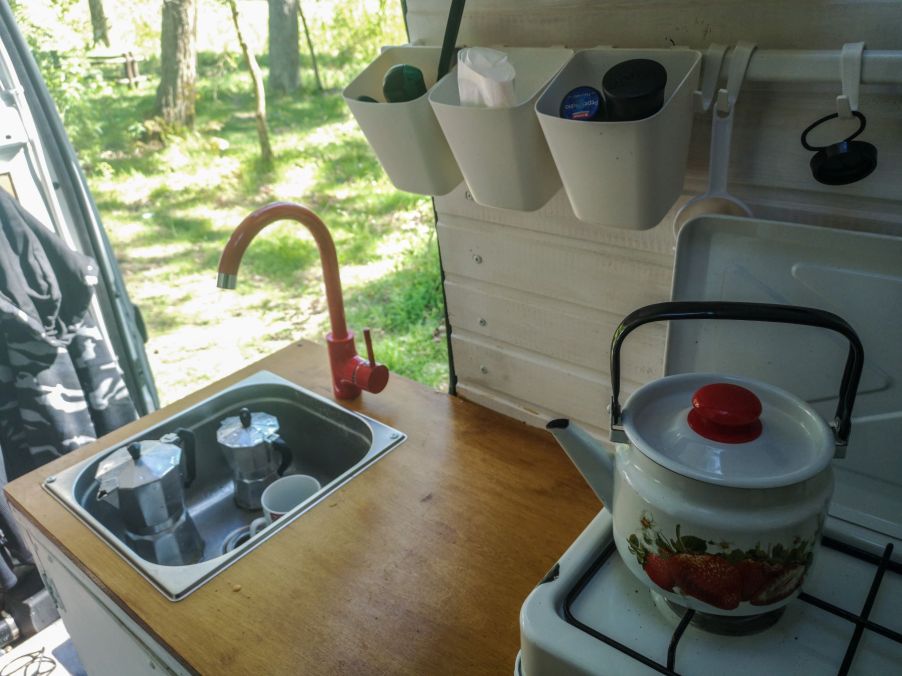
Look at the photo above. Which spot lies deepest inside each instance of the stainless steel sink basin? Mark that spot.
(327, 442)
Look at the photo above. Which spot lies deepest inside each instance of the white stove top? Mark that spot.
(566, 622)
(563, 619)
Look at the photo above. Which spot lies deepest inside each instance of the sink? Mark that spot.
(328, 442)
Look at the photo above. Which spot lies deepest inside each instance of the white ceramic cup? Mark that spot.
(283, 495)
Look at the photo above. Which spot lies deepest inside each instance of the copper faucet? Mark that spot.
(350, 372)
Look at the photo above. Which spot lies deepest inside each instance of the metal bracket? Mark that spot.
(712, 62)
(850, 76)
(739, 63)
(840, 445)
(618, 435)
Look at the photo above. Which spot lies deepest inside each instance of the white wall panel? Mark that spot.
(565, 332)
(532, 317)
(533, 298)
(586, 273)
(784, 24)
(561, 389)
(556, 218)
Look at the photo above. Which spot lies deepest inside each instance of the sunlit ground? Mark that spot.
(170, 201)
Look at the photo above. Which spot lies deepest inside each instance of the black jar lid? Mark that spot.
(582, 103)
(845, 161)
(634, 89)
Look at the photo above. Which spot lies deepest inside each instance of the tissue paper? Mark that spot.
(485, 77)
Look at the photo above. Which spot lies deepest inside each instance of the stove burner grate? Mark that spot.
(861, 621)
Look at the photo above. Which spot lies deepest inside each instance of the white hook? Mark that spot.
(711, 65)
(850, 75)
(739, 63)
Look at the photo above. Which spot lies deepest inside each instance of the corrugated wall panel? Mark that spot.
(533, 298)
(779, 24)
(565, 332)
(616, 280)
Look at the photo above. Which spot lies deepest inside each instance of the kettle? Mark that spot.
(145, 482)
(255, 452)
(718, 485)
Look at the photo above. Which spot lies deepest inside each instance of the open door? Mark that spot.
(39, 167)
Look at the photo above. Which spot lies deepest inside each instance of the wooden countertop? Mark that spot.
(419, 565)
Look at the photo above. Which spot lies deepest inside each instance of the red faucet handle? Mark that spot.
(371, 376)
(368, 339)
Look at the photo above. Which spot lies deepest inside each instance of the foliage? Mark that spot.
(62, 61)
(354, 29)
(170, 198)
(407, 307)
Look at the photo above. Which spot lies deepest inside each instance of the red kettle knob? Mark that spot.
(726, 413)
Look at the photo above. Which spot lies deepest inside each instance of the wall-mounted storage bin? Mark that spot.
(405, 136)
(622, 174)
(502, 151)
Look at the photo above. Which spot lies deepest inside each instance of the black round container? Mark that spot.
(633, 90)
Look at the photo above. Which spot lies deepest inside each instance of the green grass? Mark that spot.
(405, 306)
(169, 199)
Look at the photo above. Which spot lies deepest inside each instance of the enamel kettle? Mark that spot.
(145, 482)
(718, 485)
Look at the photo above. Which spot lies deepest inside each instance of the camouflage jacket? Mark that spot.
(60, 383)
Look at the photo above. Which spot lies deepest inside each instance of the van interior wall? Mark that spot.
(533, 298)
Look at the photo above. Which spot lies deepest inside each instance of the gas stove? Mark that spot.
(591, 616)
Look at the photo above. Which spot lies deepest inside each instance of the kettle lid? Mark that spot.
(728, 430)
(138, 464)
(247, 429)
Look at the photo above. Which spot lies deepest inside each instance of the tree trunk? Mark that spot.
(319, 83)
(178, 62)
(259, 92)
(284, 58)
(100, 27)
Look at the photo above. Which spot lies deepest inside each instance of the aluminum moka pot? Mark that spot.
(255, 452)
(145, 482)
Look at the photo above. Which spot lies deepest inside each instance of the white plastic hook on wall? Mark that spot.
(739, 63)
(712, 62)
(850, 75)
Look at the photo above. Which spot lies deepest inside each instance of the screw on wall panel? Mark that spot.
(482, 322)
(394, 435)
(50, 480)
(484, 369)
(477, 259)
(468, 195)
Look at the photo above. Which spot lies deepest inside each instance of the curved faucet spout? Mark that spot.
(251, 226)
(350, 372)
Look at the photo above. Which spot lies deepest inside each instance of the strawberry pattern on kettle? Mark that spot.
(724, 577)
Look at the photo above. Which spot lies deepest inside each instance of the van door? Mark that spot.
(38, 166)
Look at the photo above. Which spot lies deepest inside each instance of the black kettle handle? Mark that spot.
(188, 444)
(279, 444)
(756, 312)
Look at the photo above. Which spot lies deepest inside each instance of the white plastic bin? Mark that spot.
(405, 136)
(502, 151)
(622, 174)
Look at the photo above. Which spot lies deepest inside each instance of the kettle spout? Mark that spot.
(592, 459)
